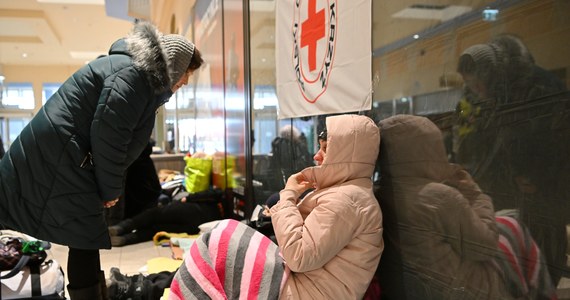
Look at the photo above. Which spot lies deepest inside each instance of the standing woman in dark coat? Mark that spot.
(1, 148)
(68, 163)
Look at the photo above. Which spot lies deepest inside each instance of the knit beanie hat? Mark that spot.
(179, 51)
(485, 57)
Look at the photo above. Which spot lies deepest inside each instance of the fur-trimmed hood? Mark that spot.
(148, 54)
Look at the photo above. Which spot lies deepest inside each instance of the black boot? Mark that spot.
(123, 287)
(123, 227)
(89, 293)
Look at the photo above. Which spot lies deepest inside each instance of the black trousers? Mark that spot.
(83, 267)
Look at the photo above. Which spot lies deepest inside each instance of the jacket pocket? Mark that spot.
(80, 154)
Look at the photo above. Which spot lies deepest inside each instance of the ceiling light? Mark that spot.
(432, 12)
(416, 36)
(490, 15)
(24, 55)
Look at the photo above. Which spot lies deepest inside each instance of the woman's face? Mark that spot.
(183, 81)
(322, 153)
(475, 84)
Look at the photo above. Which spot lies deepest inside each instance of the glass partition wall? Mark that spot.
(507, 124)
(216, 122)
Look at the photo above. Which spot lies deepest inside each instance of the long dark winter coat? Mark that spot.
(73, 155)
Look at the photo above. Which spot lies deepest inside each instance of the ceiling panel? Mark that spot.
(41, 32)
(69, 31)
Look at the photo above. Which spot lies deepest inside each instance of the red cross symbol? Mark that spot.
(312, 30)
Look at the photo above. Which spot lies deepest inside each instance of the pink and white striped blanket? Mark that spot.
(521, 262)
(233, 261)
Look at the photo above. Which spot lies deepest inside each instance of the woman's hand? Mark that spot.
(463, 182)
(266, 212)
(298, 183)
(109, 204)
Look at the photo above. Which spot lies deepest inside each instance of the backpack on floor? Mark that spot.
(26, 269)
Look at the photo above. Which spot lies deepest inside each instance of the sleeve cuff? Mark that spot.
(289, 194)
(287, 198)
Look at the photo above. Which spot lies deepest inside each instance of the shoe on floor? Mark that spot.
(119, 290)
(123, 240)
(123, 287)
(121, 228)
(116, 275)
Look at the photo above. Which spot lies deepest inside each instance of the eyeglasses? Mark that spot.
(323, 135)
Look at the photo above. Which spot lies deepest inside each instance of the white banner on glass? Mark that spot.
(323, 56)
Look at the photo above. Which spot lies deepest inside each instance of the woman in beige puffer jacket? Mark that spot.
(332, 239)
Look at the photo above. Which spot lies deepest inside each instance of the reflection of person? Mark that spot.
(331, 241)
(68, 163)
(289, 156)
(504, 71)
(511, 138)
(442, 237)
(499, 76)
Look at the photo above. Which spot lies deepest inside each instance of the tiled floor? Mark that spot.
(130, 259)
(133, 259)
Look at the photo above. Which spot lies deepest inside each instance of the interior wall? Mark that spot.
(419, 68)
(173, 16)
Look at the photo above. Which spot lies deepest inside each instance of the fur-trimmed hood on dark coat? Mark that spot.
(73, 154)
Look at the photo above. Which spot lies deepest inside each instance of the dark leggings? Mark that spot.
(83, 267)
(175, 217)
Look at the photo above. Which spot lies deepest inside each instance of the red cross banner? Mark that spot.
(323, 56)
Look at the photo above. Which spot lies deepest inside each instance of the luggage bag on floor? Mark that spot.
(26, 272)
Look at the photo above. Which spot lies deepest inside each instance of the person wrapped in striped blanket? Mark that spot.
(233, 261)
(329, 243)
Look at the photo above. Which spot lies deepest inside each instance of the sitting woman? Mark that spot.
(443, 240)
(176, 217)
(330, 242)
(143, 217)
